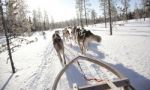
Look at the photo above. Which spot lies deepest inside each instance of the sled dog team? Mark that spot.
(80, 35)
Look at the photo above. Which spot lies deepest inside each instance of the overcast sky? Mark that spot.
(62, 10)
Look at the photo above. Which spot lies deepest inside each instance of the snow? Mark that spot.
(37, 64)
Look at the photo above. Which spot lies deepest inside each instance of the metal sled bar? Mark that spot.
(105, 86)
(99, 62)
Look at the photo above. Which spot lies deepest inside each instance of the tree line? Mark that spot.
(87, 16)
(18, 20)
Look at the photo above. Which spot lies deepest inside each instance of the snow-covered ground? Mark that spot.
(37, 63)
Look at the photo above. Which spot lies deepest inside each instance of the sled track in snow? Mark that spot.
(70, 53)
(40, 75)
(44, 76)
(97, 73)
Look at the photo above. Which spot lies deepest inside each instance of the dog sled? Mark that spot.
(121, 83)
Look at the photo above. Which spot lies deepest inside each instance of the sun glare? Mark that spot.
(57, 9)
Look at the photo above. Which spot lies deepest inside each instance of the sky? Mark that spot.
(62, 10)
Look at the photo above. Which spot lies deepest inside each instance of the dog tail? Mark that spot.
(97, 38)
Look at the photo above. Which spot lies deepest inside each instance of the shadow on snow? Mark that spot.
(4, 86)
(92, 47)
(138, 81)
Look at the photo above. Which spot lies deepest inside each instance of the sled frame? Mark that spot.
(123, 82)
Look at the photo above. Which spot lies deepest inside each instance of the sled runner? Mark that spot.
(121, 83)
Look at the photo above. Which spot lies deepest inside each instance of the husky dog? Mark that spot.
(84, 37)
(59, 47)
(73, 33)
(57, 32)
(66, 34)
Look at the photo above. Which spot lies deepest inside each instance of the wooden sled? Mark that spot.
(122, 82)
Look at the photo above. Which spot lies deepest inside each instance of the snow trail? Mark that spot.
(37, 64)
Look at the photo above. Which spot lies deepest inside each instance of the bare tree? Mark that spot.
(1, 27)
(79, 9)
(86, 4)
(21, 18)
(143, 7)
(17, 20)
(104, 6)
(7, 37)
(11, 11)
(52, 24)
(146, 8)
(126, 6)
(114, 11)
(93, 16)
(110, 21)
(136, 12)
(35, 21)
(39, 19)
(46, 21)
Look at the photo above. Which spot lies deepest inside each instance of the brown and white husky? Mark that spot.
(84, 38)
(59, 47)
(66, 34)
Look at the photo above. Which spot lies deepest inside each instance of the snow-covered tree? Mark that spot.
(21, 18)
(17, 17)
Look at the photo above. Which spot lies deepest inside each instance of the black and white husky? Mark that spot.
(59, 47)
(84, 38)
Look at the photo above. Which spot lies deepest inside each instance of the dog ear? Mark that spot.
(89, 31)
(53, 36)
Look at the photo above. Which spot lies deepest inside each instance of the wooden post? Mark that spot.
(7, 37)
